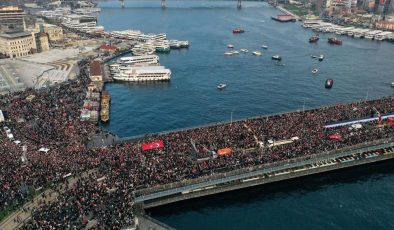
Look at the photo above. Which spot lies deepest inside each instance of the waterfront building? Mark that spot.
(108, 48)
(16, 44)
(96, 72)
(384, 25)
(12, 17)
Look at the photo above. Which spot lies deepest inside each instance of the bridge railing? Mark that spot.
(271, 167)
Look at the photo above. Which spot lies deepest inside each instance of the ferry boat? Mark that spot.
(335, 41)
(329, 83)
(148, 59)
(321, 57)
(163, 49)
(276, 57)
(314, 71)
(238, 30)
(256, 53)
(184, 44)
(143, 74)
(175, 44)
(221, 86)
(314, 38)
(264, 47)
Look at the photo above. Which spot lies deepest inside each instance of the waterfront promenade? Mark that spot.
(230, 155)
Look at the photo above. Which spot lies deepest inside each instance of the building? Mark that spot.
(96, 71)
(41, 42)
(12, 17)
(17, 44)
(108, 48)
(55, 33)
(384, 25)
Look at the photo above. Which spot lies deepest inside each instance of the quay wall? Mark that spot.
(266, 175)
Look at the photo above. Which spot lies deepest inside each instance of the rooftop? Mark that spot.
(15, 35)
(95, 68)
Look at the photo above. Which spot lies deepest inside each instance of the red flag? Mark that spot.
(153, 145)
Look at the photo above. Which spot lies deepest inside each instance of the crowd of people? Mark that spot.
(104, 198)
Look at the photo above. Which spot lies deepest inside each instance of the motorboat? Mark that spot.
(314, 71)
(238, 30)
(230, 46)
(321, 57)
(235, 52)
(221, 86)
(392, 84)
(228, 53)
(329, 83)
(264, 47)
(257, 53)
(244, 50)
(314, 56)
(276, 57)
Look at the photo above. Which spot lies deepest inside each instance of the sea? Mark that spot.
(361, 198)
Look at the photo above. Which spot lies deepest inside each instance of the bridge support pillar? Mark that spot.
(239, 4)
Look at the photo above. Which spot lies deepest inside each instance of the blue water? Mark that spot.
(255, 85)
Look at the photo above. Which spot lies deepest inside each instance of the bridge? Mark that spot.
(163, 4)
(347, 157)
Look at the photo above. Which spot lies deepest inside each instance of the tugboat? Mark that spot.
(221, 86)
(238, 31)
(314, 38)
(329, 83)
(335, 41)
(276, 57)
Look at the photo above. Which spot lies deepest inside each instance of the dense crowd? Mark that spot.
(104, 198)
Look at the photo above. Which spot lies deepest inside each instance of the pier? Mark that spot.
(243, 178)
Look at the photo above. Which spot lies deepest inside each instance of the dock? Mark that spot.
(324, 162)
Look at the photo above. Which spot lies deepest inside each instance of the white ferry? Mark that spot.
(117, 68)
(141, 74)
(133, 60)
(126, 34)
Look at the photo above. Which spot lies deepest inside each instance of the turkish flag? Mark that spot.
(153, 145)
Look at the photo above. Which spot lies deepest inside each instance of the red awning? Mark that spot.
(335, 137)
(153, 145)
(390, 121)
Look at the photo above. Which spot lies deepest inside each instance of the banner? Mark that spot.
(390, 121)
(153, 145)
(224, 151)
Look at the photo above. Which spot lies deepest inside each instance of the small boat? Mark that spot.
(256, 53)
(314, 71)
(329, 83)
(335, 41)
(244, 50)
(230, 46)
(321, 57)
(228, 53)
(276, 57)
(238, 30)
(314, 56)
(264, 47)
(314, 38)
(221, 86)
(392, 84)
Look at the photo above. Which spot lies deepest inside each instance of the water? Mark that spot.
(255, 85)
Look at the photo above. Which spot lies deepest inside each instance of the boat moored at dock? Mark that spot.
(143, 74)
(147, 59)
